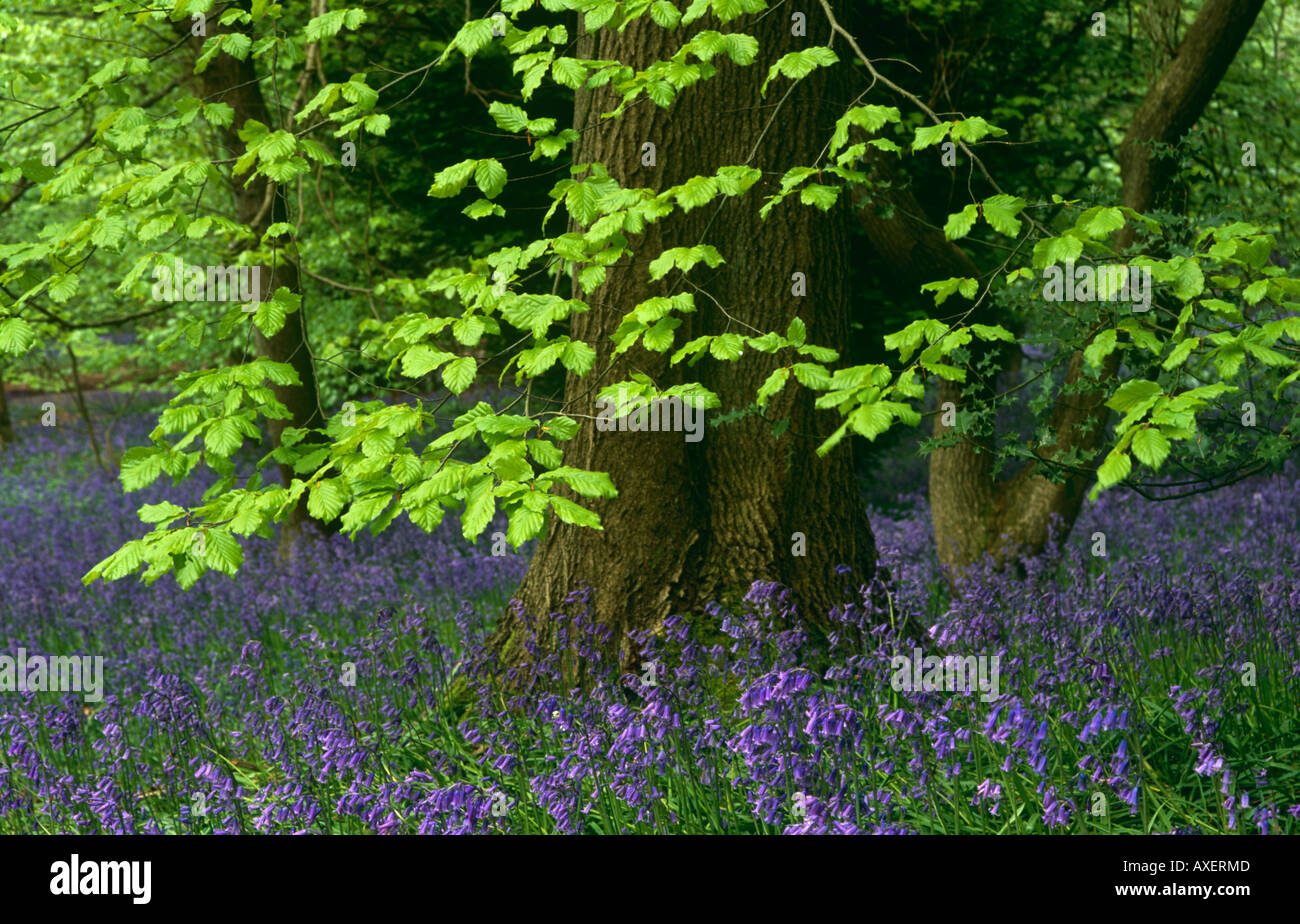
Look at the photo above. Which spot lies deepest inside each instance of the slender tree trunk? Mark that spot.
(85, 411)
(259, 205)
(1178, 97)
(6, 422)
(696, 521)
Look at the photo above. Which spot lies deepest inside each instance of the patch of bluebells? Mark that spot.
(1121, 704)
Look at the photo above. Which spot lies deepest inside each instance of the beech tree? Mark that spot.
(695, 245)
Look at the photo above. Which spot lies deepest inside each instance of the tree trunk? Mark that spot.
(6, 422)
(258, 205)
(1178, 97)
(974, 515)
(697, 521)
(963, 496)
(1028, 505)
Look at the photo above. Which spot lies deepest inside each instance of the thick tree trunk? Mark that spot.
(696, 521)
(258, 205)
(973, 514)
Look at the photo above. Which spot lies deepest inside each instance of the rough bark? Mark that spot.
(699, 521)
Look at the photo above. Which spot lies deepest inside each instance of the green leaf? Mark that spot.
(1134, 393)
(665, 15)
(426, 516)
(973, 129)
(364, 510)
(660, 337)
(1228, 359)
(480, 507)
(222, 551)
(270, 317)
(569, 512)
(162, 512)
(199, 227)
(109, 231)
(223, 436)
(569, 72)
(36, 172)
(697, 191)
(960, 223)
(578, 357)
(420, 360)
(524, 524)
(581, 201)
(1056, 250)
(727, 346)
(460, 374)
(821, 196)
(561, 428)
(588, 484)
(821, 354)
(741, 48)
(490, 177)
(1255, 291)
(155, 226)
(1150, 446)
(928, 135)
(482, 208)
(994, 332)
(1000, 212)
(944, 288)
(799, 64)
(1114, 469)
(1101, 347)
(811, 375)
(546, 453)
(1189, 281)
(473, 37)
(797, 332)
(16, 335)
(871, 420)
(468, 330)
(278, 145)
(869, 118)
(1257, 344)
(509, 118)
(661, 93)
(141, 465)
(1180, 353)
(772, 385)
(450, 181)
(1100, 222)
